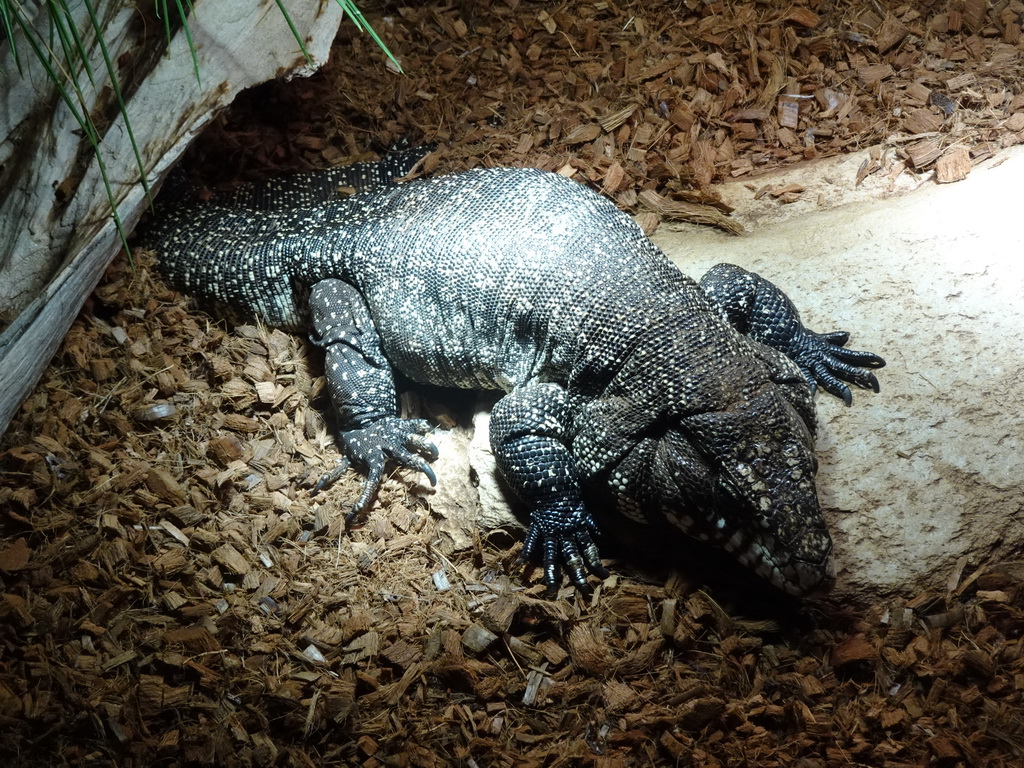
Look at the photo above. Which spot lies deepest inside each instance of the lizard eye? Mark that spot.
(724, 486)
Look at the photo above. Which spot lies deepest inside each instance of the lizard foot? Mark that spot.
(825, 361)
(560, 537)
(373, 446)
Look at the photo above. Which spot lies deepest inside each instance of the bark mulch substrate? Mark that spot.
(171, 594)
(653, 103)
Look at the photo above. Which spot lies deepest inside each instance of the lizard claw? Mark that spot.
(560, 538)
(422, 446)
(330, 477)
(373, 446)
(825, 361)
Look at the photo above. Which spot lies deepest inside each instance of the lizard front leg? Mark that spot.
(760, 310)
(531, 430)
(362, 389)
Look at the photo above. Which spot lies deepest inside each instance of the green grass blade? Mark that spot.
(188, 37)
(350, 10)
(295, 32)
(78, 40)
(57, 24)
(82, 117)
(70, 40)
(116, 85)
(46, 60)
(5, 24)
(160, 9)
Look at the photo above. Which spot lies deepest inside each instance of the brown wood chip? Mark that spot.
(856, 648)
(683, 211)
(924, 153)
(15, 556)
(873, 74)
(954, 165)
(922, 121)
(230, 559)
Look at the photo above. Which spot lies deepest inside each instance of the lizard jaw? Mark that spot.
(759, 552)
(796, 577)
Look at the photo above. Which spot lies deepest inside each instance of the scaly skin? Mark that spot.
(628, 384)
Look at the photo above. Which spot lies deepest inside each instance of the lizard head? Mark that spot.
(724, 452)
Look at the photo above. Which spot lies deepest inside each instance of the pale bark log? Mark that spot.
(53, 254)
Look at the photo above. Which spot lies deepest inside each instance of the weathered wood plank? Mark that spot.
(54, 246)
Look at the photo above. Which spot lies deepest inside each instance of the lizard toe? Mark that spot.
(563, 542)
(422, 446)
(828, 364)
(411, 460)
(371, 448)
(331, 476)
(374, 478)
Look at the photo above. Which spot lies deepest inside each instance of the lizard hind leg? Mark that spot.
(362, 389)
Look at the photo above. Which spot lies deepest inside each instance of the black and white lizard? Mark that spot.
(628, 385)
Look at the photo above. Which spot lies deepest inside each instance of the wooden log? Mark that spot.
(52, 261)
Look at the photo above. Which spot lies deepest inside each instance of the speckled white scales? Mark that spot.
(627, 385)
